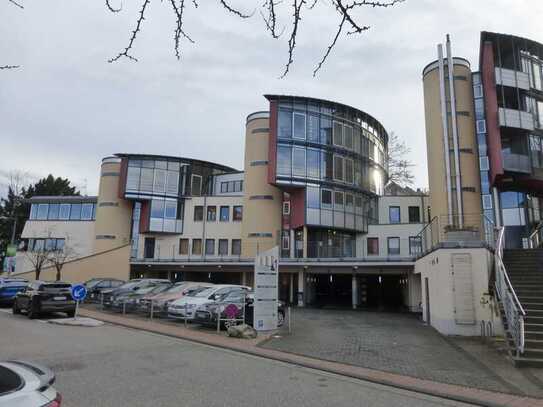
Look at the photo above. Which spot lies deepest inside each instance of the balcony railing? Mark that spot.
(516, 118)
(517, 163)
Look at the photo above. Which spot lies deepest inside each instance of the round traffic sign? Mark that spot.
(79, 292)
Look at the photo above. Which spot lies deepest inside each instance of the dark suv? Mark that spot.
(44, 296)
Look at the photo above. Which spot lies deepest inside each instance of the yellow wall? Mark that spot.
(259, 215)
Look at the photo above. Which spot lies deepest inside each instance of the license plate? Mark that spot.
(59, 298)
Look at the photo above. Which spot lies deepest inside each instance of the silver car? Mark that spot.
(25, 384)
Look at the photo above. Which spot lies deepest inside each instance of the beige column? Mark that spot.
(305, 242)
(301, 284)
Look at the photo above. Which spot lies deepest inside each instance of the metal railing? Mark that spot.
(517, 163)
(451, 231)
(535, 240)
(514, 313)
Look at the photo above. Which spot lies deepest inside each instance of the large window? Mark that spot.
(393, 246)
(415, 245)
(198, 213)
(338, 134)
(298, 121)
(349, 171)
(196, 185)
(326, 131)
(394, 214)
(64, 212)
(197, 247)
(373, 246)
(298, 162)
(285, 124)
(211, 213)
(414, 214)
(284, 160)
(157, 208)
(313, 128)
(237, 214)
(75, 212)
(348, 137)
(210, 247)
(327, 166)
(313, 163)
(236, 247)
(231, 186)
(338, 168)
(54, 210)
(225, 214)
(43, 210)
(86, 211)
(184, 247)
(326, 198)
(223, 247)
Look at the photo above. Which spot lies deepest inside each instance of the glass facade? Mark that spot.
(338, 153)
(63, 211)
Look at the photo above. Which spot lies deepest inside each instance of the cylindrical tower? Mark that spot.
(113, 213)
(453, 168)
(262, 201)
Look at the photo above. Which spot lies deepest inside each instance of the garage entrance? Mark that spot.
(333, 290)
(384, 293)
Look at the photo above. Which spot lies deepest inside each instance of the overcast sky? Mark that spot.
(67, 108)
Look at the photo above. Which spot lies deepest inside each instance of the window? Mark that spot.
(348, 137)
(86, 211)
(196, 185)
(64, 212)
(326, 197)
(184, 247)
(477, 91)
(338, 199)
(414, 214)
(43, 210)
(157, 208)
(172, 183)
(313, 197)
(224, 187)
(60, 245)
(149, 248)
(33, 211)
(236, 247)
(198, 213)
(393, 246)
(313, 128)
(284, 160)
(238, 186)
(197, 247)
(159, 185)
(394, 214)
(237, 215)
(338, 134)
(286, 208)
(298, 162)
(285, 124)
(225, 213)
(53, 211)
(487, 201)
(210, 246)
(349, 202)
(285, 241)
(327, 165)
(170, 209)
(211, 213)
(338, 168)
(481, 126)
(483, 163)
(349, 171)
(75, 212)
(298, 120)
(313, 163)
(415, 245)
(373, 246)
(326, 131)
(223, 247)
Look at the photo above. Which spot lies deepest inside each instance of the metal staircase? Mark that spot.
(519, 285)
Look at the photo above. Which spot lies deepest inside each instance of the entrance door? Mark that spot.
(149, 248)
(464, 307)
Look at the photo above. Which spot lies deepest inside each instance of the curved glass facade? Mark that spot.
(337, 153)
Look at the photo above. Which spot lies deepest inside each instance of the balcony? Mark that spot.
(514, 79)
(516, 118)
(517, 163)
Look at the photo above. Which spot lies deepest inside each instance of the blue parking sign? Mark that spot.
(79, 292)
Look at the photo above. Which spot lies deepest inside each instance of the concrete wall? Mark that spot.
(437, 268)
(112, 263)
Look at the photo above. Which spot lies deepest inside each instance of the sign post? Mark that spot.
(79, 292)
(266, 290)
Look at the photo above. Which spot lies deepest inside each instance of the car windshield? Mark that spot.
(175, 289)
(205, 292)
(130, 284)
(93, 283)
(160, 288)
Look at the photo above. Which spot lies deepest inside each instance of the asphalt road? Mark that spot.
(112, 366)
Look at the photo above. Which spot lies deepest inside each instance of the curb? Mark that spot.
(451, 392)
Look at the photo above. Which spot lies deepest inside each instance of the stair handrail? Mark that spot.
(535, 239)
(513, 310)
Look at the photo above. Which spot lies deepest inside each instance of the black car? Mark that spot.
(44, 296)
(110, 295)
(207, 313)
(97, 285)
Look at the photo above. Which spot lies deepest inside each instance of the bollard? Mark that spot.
(152, 309)
(289, 316)
(186, 315)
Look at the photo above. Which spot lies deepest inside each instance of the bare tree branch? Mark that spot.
(235, 11)
(16, 4)
(134, 34)
(10, 66)
(113, 10)
(292, 40)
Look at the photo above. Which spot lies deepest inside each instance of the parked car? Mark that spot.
(162, 300)
(130, 300)
(193, 301)
(9, 287)
(130, 286)
(25, 384)
(97, 285)
(206, 314)
(44, 296)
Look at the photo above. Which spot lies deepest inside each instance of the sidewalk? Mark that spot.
(453, 392)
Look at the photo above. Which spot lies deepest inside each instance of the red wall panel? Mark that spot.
(297, 208)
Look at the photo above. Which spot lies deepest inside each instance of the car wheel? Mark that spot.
(32, 313)
(280, 318)
(15, 309)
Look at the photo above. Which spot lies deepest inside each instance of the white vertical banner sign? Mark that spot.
(266, 290)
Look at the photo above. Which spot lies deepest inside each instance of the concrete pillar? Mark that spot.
(292, 244)
(305, 242)
(354, 284)
(243, 278)
(301, 284)
(291, 288)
